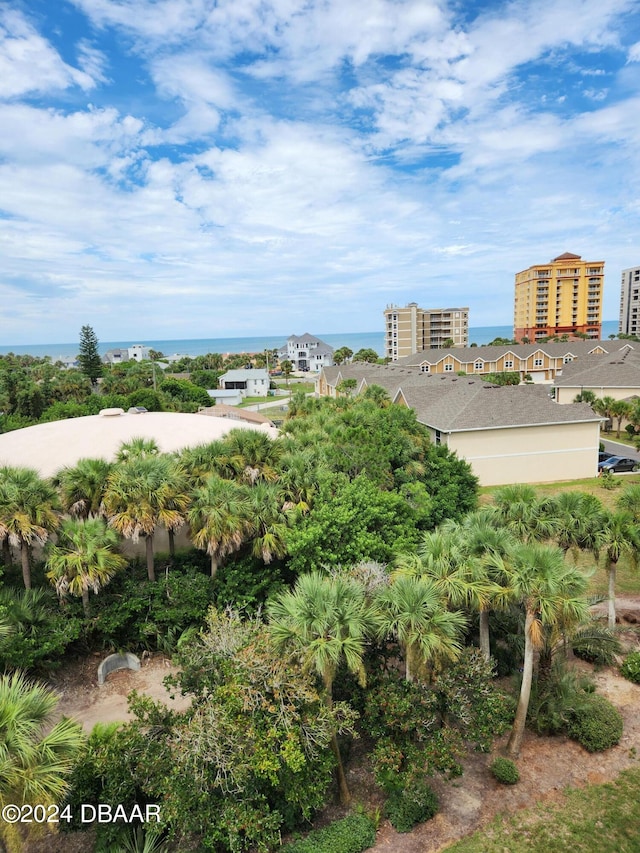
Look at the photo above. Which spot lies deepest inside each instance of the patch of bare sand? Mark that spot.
(84, 700)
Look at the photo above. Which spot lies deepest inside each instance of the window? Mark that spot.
(508, 363)
(478, 365)
(567, 359)
(537, 362)
(424, 368)
(438, 437)
(448, 367)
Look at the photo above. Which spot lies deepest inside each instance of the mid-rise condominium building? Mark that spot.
(630, 302)
(412, 329)
(563, 297)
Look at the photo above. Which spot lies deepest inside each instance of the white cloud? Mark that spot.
(28, 63)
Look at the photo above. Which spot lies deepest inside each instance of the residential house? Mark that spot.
(540, 362)
(616, 374)
(136, 352)
(306, 353)
(508, 434)
(252, 382)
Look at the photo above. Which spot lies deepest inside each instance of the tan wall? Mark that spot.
(568, 395)
(530, 454)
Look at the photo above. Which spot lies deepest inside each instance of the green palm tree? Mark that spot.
(35, 756)
(618, 537)
(269, 522)
(28, 512)
(83, 559)
(326, 621)
(143, 493)
(551, 594)
(578, 521)
(488, 546)
(253, 455)
(527, 517)
(202, 460)
(619, 410)
(298, 480)
(629, 500)
(81, 487)
(137, 447)
(604, 406)
(219, 518)
(411, 609)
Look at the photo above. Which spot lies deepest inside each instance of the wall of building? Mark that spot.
(568, 395)
(537, 454)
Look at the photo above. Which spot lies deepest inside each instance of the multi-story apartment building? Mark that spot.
(563, 297)
(630, 302)
(412, 329)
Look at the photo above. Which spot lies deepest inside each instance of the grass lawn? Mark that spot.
(252, 401)
(296, 385)
(600, 817)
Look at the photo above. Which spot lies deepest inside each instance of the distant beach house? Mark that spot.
(250, 383)
(306, 352)
(136, 352)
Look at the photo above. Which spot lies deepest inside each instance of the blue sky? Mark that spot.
(192, 168)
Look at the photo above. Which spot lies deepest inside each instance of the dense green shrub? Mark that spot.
(134, 613)
(246, 582)
(352, 834)
(505, 771)
(596, 644)
(40, 632)
(631, 667)
(414, 804)
(557, 697)
(596, 726)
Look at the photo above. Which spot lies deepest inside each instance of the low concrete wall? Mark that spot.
(117, 661)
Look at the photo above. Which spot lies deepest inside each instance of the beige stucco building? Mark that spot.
(412, 329)
(510, 434)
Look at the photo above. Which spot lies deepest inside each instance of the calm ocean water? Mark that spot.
(201, 346)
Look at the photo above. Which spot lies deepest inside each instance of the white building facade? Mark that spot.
(630, 302)
(307, 353)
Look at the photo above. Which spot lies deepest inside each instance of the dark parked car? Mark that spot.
(603, 456)
(616, 464)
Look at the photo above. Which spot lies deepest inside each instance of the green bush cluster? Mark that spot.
(352, 834)
(505, 771)
(631, 667)
(597, 725)
(414, 804)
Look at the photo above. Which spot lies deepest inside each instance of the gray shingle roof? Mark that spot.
(574, 349)
(455, 403)
(616, 370)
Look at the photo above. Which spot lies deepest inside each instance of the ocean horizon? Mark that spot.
(201, 346)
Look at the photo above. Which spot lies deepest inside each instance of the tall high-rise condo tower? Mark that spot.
(563, 297)
(630, 302)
